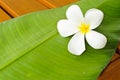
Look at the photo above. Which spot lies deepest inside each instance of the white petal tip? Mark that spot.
(96, 40)
(76, 53)
(66, 28)
(102, 44)
(74, 13)
(76, 45)
(94, 17)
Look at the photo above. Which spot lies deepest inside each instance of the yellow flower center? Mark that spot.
(84, 28)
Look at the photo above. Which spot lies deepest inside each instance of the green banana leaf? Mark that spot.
(32, 49)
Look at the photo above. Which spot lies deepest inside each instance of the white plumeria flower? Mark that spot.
(82, 28)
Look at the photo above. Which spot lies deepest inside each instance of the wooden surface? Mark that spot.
(14, 8)
(3, 15)
(20, 7)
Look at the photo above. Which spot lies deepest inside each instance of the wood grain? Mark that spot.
(56, 3)
(115, 57)
(112, 72)
(118, 49)
(20, 7)
(3, 15)
(47, 4)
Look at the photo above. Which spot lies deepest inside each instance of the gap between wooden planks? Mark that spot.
(3, 15)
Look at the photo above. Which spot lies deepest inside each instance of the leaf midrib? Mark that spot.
(43, 39)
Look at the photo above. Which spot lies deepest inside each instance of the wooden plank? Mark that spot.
(118, 49)
(112, 72)
(3, 15)
(47, 4)
(104, 74)
(61, 2)
(115, 57)
(56, 3)
(20, 7)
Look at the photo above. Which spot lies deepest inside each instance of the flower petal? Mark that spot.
(77, 44)
(94, 17)
(96, 40)
(74, 13)
(66, 28)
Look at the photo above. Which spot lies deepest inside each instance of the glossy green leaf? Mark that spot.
(32, 49)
